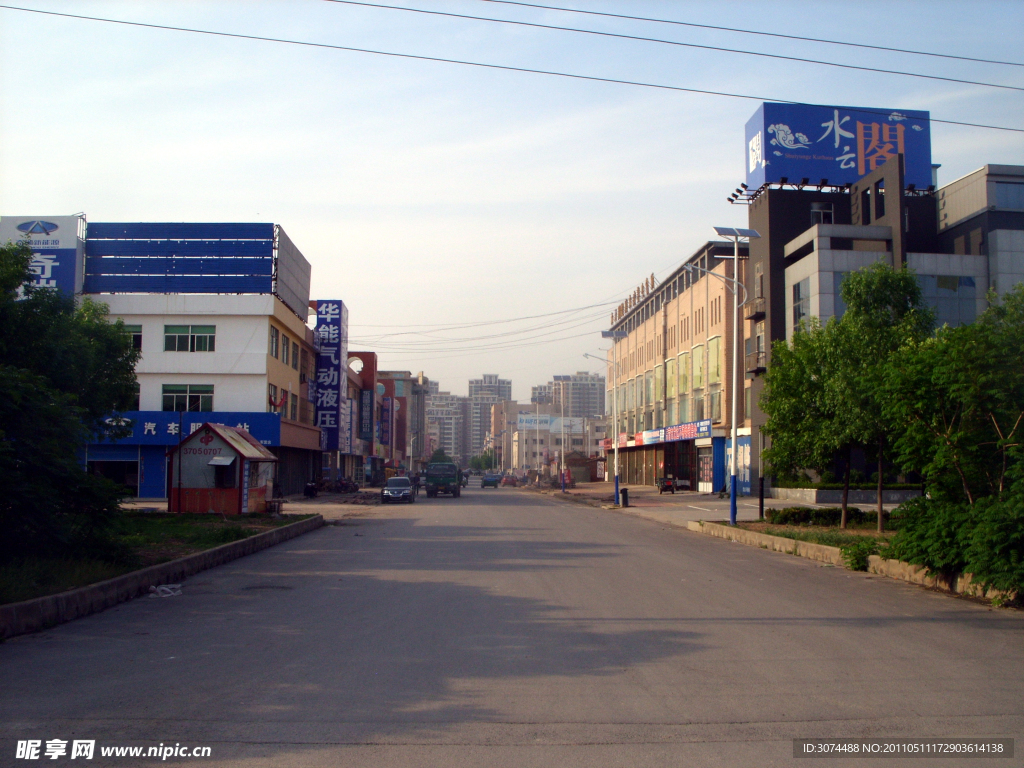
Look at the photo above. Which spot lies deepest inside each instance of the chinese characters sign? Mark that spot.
(840, 144)
(331, 393)
(57, 251)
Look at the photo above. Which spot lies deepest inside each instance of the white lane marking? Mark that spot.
(702, 509)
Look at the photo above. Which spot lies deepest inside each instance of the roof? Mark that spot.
(244, 444)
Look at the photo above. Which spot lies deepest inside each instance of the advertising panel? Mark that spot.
(385, 420)
(573, 425)
(840, 144)
(689, 431)
(528, 421)
(331, 371)
(57, 250)
(366, 414)
(161, 427)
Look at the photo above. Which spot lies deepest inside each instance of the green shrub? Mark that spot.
(995, 545)
(856, 555)
(824, 516)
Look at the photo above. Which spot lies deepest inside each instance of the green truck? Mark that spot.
(444, 478)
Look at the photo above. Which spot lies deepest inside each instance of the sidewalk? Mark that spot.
(679, 508)
(332, 506)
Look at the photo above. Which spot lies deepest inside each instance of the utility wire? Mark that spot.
(758, 32)
(590, 78)
(715, 48)
(445, 327)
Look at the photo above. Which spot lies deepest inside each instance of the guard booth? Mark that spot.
(220, 469)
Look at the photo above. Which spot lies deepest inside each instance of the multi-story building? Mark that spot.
(580, 395)
(219, 312)
(450, 415)
(483, 393)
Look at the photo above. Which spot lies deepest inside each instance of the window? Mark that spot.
(275, 341)
(272, 398)
(136, 334)
(671, 379)
(715, 360)
(285, 349)
(188, 397)
(801, 302)
(684, 409)
(698, 366)
(295, 355)
(671, 413)
(953, 298)
(715, 399)
(698, 409)
(136, 399)
(295, 407)
(821, 213)
(684, 373)
(649, 388)
(759, 280)
(837, 288)
(748, 402)
(659, 383)
(189, 338)
(1009, 195)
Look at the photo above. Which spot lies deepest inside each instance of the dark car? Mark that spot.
(490, 480)
(397, 489)
(509, 480)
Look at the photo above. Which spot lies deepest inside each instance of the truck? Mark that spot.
(444, 478)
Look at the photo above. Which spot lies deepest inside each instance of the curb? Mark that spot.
(51, 610)
(819, 552)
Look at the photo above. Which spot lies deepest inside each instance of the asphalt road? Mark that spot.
(508, 629)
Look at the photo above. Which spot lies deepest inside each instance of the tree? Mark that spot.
(440, 457)
(63, 369)
(482, 462)
(884, 314)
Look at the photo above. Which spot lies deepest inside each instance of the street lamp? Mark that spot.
(615, 336)
(735, 235)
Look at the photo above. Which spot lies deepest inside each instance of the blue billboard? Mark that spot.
(838, 144)
(56, 248)
(333, 413)
(164, 427)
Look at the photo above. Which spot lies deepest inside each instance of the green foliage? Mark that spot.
(482, 462)
(995, 552)
(856, 555)
(824, 516)
(829, 537)
(439, 457)
(63, 369)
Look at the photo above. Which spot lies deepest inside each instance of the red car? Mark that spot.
(509, 480)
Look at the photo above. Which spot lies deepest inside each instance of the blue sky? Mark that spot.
(426, 193)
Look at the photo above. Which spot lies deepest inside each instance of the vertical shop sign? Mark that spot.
(331, 372)
(385, 420)
(366, 414)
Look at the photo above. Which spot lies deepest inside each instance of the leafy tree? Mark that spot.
(63, 369)
(884, 314)
(440, 457)
(482, 462)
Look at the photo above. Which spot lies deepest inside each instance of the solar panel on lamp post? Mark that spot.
(735, 235)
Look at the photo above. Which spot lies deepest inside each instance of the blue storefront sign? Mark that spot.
(332, 375)
(162, 427)
(838, 144)
(366, 414)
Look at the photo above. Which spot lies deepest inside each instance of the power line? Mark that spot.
(758, 32)
(417, 57)
(446, 327)
(716, 48)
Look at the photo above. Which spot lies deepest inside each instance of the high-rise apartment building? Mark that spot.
(581, 395)
(483, 393)
(448, 413)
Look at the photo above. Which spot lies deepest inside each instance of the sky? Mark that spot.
(474, 220)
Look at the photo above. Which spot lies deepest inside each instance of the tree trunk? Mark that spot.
(881, 513)
(844, 520)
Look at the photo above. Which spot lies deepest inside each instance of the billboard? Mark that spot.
(56, 247)
(840, 144)
(162, 427)
(332, 374)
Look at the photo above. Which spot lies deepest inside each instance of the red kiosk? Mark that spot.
(220, 469)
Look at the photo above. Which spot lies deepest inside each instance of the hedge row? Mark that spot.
(825, 516)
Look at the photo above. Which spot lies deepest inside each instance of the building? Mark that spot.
(537, 441)
(219, 312)
(579, 395)
(449, 414)
(483, 393)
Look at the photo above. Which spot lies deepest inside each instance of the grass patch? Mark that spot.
(150, 538)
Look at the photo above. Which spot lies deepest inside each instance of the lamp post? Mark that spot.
(615, 336)
(735, 235)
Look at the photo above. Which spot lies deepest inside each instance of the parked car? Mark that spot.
(397, 489)
(490, 480)
(510, 480)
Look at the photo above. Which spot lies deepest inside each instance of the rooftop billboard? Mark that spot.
(840, 144)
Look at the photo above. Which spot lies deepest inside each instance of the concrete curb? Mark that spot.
(44, 612)
(959, 584)
(819, 552)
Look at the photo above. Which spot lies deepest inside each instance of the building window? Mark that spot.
(294, 407)
(136, 334)
(748, 402)
(801, 302)
(698, 366)
(275, 341)
(188, 397)
(285, 349)
(759, 280)
(1009, 195)
(295, 355)
(684, 409)
(821, 213)
(659, 383)
(137, 398)
(715, 360)
(716, 406)
(649, 388)
(953, 298)
(189, 338)
(698, 408)
(671, 379)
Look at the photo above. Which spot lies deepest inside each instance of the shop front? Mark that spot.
(690, 453)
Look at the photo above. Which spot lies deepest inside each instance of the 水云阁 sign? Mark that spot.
(836, 144)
